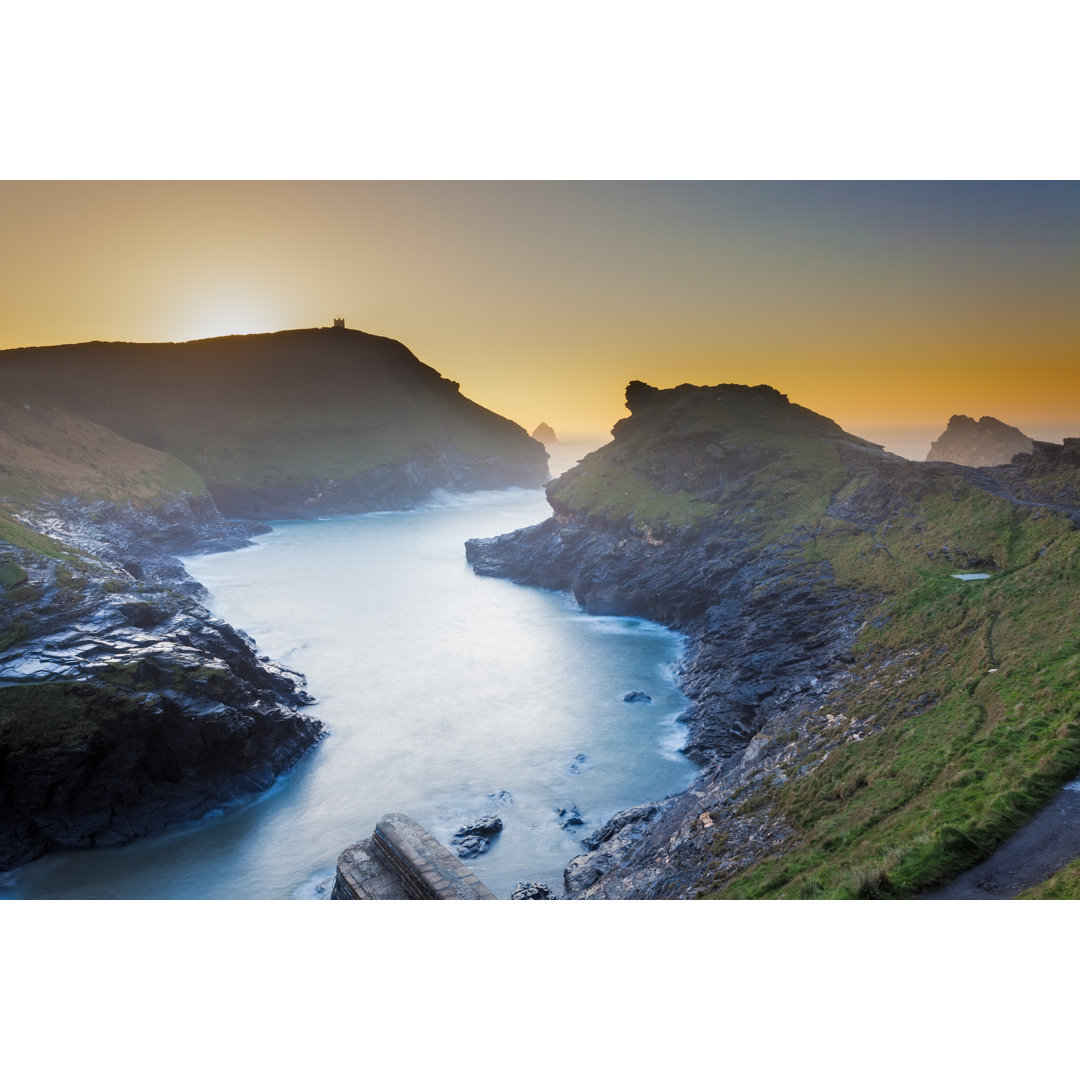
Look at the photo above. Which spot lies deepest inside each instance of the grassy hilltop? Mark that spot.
(953, 714)
(322, 419)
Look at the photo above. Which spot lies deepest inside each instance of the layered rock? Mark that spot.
(125, 707)
(761, 620)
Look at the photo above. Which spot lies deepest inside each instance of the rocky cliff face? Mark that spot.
(763, 620)
(978, 442)
(125, 707)
(813, 575)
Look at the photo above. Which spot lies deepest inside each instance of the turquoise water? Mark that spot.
(439, 689)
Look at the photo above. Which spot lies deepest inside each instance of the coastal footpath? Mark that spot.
(881, 656)
(125, 706)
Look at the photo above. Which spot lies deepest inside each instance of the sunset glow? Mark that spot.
(882, 305)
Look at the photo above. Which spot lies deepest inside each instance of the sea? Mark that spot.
(446, 696)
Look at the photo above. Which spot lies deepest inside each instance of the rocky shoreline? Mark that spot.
(125, 705)
(128, 707)
(757, 653)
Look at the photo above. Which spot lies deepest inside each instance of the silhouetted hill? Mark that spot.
(978, 442)
(292, 424)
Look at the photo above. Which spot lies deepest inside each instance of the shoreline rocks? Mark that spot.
(126, 707)
(473, 840)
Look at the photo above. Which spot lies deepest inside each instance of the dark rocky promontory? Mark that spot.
(979, 442)
(125, 706)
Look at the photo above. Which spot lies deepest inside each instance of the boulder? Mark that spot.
(483, 826)
(531, 890)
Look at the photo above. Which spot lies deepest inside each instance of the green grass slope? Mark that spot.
(692, 454)
(47, 452)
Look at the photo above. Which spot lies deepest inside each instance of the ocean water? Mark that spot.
(447, 696)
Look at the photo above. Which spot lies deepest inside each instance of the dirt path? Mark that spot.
(1042, 847)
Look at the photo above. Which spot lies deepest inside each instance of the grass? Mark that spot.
(11, 575)
(19, 536)
(45, 716)
(686, 457)
(1064, 885)
(48, 452)
(978, 727)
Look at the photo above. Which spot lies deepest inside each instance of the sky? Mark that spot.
(882, 305)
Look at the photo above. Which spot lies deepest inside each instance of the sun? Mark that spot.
(224, 313)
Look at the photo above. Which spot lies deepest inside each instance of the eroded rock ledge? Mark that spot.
(126, 706)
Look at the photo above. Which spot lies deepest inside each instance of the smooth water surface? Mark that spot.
(439, 689)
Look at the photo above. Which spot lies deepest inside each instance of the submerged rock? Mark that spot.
(468, 847)
(638, 696)
(472, 840)
(575, 766)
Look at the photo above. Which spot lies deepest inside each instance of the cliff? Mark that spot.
(868, 723)
(299, 423)
(978, 442)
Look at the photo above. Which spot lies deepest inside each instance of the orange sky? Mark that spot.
(880, 305)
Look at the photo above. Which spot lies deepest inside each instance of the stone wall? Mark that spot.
(403, 861)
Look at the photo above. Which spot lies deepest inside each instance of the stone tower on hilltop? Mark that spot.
(339, 324)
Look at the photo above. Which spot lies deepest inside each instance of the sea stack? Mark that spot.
(545, 433)
(987, 441)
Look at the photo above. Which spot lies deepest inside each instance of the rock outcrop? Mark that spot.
(545, 433)
(986, 441)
